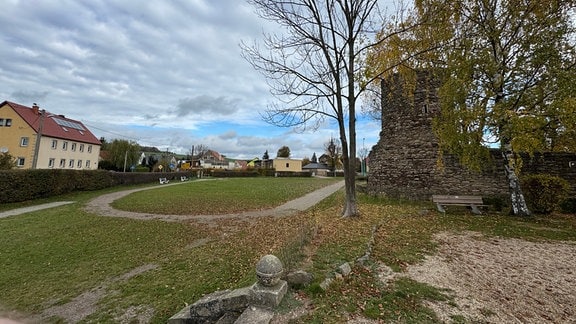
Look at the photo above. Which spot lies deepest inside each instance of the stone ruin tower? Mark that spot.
(403, 164)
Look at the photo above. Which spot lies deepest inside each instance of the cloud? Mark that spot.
(228, 135)
(206, 104)
(164, 73)
(29, 97)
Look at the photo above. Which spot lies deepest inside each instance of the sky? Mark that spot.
(162, 73)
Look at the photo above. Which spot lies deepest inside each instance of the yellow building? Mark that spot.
(42, 140)
(287, 164)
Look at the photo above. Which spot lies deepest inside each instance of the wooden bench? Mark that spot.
(184, 178)
(163, 180)
(472, 201)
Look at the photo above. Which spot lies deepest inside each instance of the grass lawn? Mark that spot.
(50, 257)
(221, 196)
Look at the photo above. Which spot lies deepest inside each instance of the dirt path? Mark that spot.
(496, 280)
(24, 210)
(87, 303)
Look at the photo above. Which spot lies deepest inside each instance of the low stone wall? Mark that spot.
(414, 174)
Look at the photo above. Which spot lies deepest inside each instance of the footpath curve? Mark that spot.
(101, 206)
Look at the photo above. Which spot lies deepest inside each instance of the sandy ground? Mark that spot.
(496, 280)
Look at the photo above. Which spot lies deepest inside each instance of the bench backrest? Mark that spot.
(477, 200)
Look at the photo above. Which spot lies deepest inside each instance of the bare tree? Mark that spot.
(198, 151)
(314, 68)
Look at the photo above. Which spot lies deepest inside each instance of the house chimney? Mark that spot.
(35, 108)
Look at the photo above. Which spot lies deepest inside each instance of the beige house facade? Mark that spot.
(42, 140)
(287, 165)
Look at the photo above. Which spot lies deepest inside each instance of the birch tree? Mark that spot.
(505, 74)
(507, 68)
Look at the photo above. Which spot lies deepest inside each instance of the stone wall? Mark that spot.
(403, 164)
(558, 164)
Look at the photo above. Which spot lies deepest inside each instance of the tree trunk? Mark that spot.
(519, 207)
(350, 204)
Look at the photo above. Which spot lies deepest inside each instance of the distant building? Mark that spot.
(254, 163)
(214, 160)
(42, 140)
(287, 164)
(320, 169)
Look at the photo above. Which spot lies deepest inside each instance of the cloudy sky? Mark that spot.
(163, 73)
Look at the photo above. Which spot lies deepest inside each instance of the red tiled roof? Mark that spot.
(56, 126)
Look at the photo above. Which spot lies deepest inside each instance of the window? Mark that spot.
(87, 164)
(62, 163)
(81, 148)
(73, 147)
(20, 161)
(51, 163)
(8, 122)
(64, 145)
(24, 141)
(54, 144)
(1, 122)
(287, 165)
(89, 148)
(79, 164)
(71, 163)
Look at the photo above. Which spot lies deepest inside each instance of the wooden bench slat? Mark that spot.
(453, 202)
(458, 198)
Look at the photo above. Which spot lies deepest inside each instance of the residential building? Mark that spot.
(287, 164)
(214, 160)
(319, 169)
(42, 140)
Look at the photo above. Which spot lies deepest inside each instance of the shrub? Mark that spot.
(544, 193)
(568, 206)
(498, 203)
(7, 161)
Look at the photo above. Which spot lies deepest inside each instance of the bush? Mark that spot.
(568, 206)
(498, 203)
(544, 193)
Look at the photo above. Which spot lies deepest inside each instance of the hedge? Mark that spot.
(22, 185)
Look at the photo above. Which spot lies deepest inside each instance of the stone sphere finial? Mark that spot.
(269, 270)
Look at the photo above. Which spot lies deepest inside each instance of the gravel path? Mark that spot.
(24, 210)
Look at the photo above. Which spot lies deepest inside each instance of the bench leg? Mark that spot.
(440, 208)
(475, 209)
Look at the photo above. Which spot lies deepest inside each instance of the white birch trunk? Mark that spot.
(519, 207)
